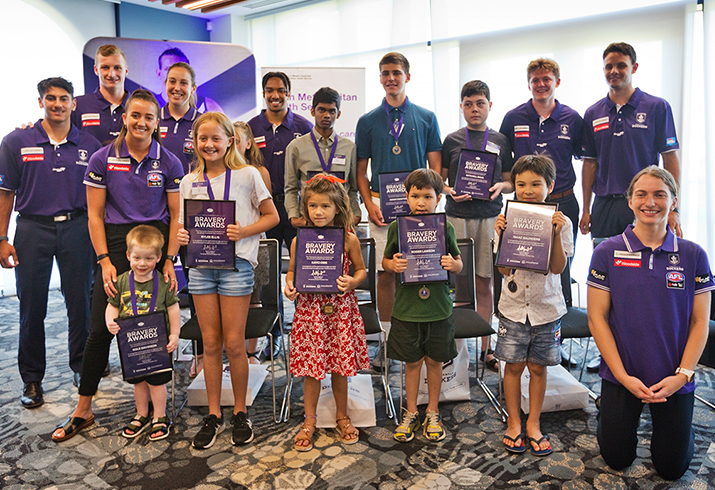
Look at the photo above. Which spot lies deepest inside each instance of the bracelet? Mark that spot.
(3, 237)
(675, 210)
(101, 256)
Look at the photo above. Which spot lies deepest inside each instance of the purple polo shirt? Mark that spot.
(46, 179)
(652, 293)
(94, 115)
(177, 137)
(626, 140)
(136, 191)
(273, 143)
(559, 136)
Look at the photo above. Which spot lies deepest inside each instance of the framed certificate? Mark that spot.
(318, 259)
(393, 199)
(142, 344)
(475, 173)
(209, 246)
(528, 237)
(423, 242)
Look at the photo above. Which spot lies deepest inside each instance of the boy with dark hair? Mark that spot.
(321, 150)
(41, 171)
(530, 312)
(396, 136)
(475, 218)
(422, 324)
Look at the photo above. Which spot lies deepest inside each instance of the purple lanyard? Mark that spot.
(326, 168)
(154, 292)
(395, 130)
(226, 186)
(469, 142)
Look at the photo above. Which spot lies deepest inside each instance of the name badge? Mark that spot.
(492, 147)
(338, 160)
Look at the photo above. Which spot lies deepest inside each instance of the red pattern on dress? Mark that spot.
(333, 343)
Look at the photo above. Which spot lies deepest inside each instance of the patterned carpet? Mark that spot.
(471, 456)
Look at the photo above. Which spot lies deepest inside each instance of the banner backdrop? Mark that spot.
(349, 82)
(225, 73)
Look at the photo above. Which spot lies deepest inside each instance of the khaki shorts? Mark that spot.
(482, 232)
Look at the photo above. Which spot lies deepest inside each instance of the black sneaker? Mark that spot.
(206, 437)
(242, 429)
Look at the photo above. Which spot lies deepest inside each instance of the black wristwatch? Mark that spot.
(172, 258)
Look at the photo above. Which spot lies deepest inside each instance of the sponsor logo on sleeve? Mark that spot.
(155, 180)
(177, 181)
(521, 131)
(260, 141)
(600, 124)
(32, 154)
(95, 177)
(703, 278)
(670, 141)
(598, 275)
(626, 263)
(90, 119)
(2, 179)
(675, 280)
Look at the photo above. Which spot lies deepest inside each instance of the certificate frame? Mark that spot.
(528, 238)
(317, 264)
(393, 201)
(423, 259)
(142, 342)
(209, 246)
(475, 173)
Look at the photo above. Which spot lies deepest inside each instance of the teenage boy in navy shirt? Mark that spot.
(100, 113)
(544, 125)
(648, 311)
(623, 133)
(395, 136)
(475, 218)
(41, 169)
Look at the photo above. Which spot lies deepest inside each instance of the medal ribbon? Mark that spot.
(469, 142)
(395, 131)
(326, 168)
(226, 185)
(154, 291)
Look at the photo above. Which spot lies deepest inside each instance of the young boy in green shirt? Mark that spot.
(422, 325)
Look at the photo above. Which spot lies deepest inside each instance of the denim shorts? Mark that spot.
(223, 282)
(519, 342)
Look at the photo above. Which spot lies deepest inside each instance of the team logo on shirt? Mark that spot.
(673, 259)
(564, 132)
(188, 146)
(90, 119)
(83, 155)
(521, 131)
(32, 154)
(191, 133)
(260, 141)
(564, 129)
(640, 117)
(155, 164)
(701, 279)
(598, 275)
(626, 263)
(600, 124)
(154, 180)
(163, 130)
(676, 280)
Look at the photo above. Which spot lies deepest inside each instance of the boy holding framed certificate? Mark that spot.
(422, 325)
(140, 293)
(531, 305)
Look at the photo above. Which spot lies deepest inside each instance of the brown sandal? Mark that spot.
(344, 432)
(306, 430)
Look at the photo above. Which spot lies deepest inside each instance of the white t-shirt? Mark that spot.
(247, 189)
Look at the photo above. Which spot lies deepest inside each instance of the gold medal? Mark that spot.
(424, 292)
(328, 309)
(396, 149)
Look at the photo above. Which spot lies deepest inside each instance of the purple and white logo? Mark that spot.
(640, 117)
(564, 129)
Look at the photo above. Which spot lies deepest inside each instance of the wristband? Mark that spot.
(3, 237)
(101, 256)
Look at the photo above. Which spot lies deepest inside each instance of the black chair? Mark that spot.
(263, 314)
(367, 302)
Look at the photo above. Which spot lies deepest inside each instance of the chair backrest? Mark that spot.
(269, 293)
(367, 290)
(566, 284)
(497, 281)
(465, 293)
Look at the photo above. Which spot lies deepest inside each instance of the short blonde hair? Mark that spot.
(108, 50)
(145, 236)
(546, 64)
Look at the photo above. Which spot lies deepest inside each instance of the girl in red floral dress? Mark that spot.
(328, 334)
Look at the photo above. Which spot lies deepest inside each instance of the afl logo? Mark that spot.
(675, 280)
(154, 180)
(675, 276)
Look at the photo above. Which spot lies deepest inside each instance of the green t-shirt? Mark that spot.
(143, 290)
(409, 307)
